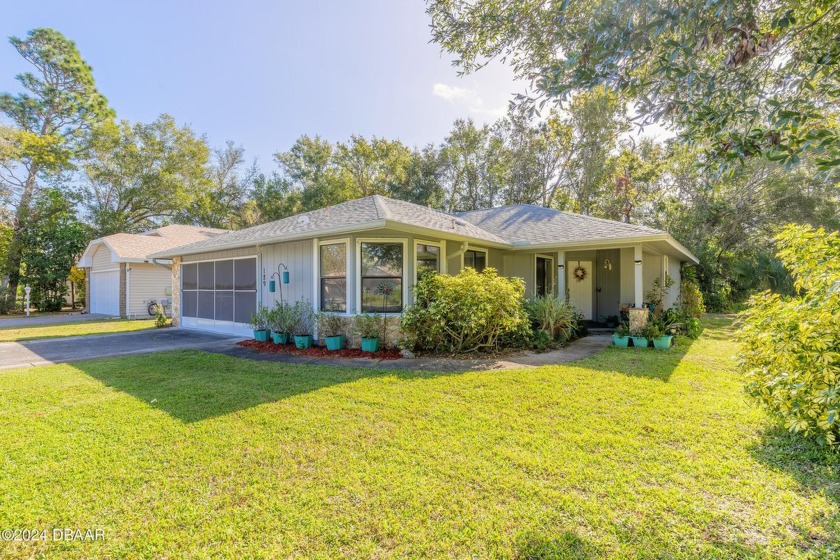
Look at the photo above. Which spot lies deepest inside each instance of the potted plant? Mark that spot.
(639, 338)
(369, 327)
(656, 332)
(282, 322)
(621, 336)
(332, 327)
(304, 321)
(259, 324)
(611, 321)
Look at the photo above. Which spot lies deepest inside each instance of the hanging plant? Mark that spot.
(580, 273)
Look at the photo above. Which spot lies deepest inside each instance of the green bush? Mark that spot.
(465, 313)
(370, 325)
(791, 355)
(161, 320)
(691, 298)
(554, 316)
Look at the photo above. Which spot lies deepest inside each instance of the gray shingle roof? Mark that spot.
(536, 225)
(133, 246)
(369, 211)
(508, 225)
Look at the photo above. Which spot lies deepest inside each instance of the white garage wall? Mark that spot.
(147, 282)
(102, 260)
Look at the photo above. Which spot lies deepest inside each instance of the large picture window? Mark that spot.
(475, 259)
(381, 276)
(334, 277)
(223, 290)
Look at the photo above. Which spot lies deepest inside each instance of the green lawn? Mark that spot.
(77, 328)
(630, 453)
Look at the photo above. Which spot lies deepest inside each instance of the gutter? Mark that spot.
(167, 265)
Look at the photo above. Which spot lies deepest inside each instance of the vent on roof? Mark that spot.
(303, 220)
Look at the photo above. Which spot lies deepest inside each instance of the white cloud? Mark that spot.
(469, 97)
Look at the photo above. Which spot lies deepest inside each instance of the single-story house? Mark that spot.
(123, 278)
(364, 255)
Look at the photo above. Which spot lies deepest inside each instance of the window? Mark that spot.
(381, 277)
(428, 259)
(334, 277)
(475, 259)
(219, 290)
(545, 276)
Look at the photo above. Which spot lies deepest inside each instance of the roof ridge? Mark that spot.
(380, 203)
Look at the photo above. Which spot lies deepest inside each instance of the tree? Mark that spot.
(463, 158)
(739, 79)
(374, 166)
(140, 175)
(51, 245)
(60, 105)
(423, 181)
(222, 204)
(310, 171)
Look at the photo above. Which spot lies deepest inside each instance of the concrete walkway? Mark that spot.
(35, 320)
(577, 350)
(74, 348)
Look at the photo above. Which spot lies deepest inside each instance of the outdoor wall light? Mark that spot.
(607, 264)
(561, 266)
(638, 262)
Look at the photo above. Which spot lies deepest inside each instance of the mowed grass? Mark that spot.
(75, 328)
(630, 453)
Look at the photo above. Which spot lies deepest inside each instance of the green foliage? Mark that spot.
(161, 320)
(623, 329)
(468, 312)
(369, 325)
(303, 317)
(658, 291)
(141, 175)
(332, 324)
(554, 316)
(261, 319)
(654, 329)
(739, 78)
(50, 247)
(691, 298)
(282, 318)
(791, 345)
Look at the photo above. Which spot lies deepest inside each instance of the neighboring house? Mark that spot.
(122, 278)
(364, 255)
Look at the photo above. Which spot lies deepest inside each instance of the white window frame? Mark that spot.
(477, 250)
(348, 276)
(442, 254)
(551, 289)
(357, 273)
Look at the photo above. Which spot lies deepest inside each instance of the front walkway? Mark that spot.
(577, 350)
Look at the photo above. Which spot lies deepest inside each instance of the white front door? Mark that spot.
(105, 292)
(579, 283)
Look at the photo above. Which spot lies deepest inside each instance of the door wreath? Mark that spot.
(580, 273)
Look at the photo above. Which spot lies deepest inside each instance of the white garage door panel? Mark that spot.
(105, 292)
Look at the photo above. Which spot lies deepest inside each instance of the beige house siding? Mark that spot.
(176, 292)
(102, 260)
(520, 265)
(627, 278)
(122, 289)
(147, 282)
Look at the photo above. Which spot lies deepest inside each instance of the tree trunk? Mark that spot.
(13, 260)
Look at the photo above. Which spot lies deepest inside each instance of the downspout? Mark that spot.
(128, 290)
(460, 251)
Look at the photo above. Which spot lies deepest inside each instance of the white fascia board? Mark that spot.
(450, 236)
(582, 245)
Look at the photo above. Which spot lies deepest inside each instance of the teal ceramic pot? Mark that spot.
(334, 342)
(663, 342)
(280, 338)
(621, 341)
(370, 344)
(261, 335)
(639, 341)
(303, 342)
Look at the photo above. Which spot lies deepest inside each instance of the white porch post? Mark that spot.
(561, 274)
(638, 276)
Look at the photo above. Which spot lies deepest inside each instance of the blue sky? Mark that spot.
(263, 73)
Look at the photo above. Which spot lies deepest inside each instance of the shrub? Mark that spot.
(658, 291)
(791, 354)
(472, 311)
(282, 318)
(302, 321)
(260, 319)
(370, 325)
(691, 298)
(331, 324)
(161, 320)
(554, 316)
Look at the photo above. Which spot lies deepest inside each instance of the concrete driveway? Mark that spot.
(70, 349)
(34, 320)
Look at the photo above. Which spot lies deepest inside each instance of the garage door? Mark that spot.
(105, 292)
(219, 295)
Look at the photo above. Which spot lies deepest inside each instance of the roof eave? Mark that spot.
(450, 236)
(611, 242)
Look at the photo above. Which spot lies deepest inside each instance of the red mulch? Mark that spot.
(321, 351)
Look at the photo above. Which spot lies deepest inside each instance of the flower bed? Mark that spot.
(320, 351)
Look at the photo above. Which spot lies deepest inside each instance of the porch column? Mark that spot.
(561, 274)
(638, 276)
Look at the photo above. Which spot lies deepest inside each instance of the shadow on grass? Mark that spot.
(639, 362)
(192, 386)
(567, 545)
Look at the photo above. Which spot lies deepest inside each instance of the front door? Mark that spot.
(579, 283)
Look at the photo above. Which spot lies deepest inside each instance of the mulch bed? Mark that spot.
(321, 351)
